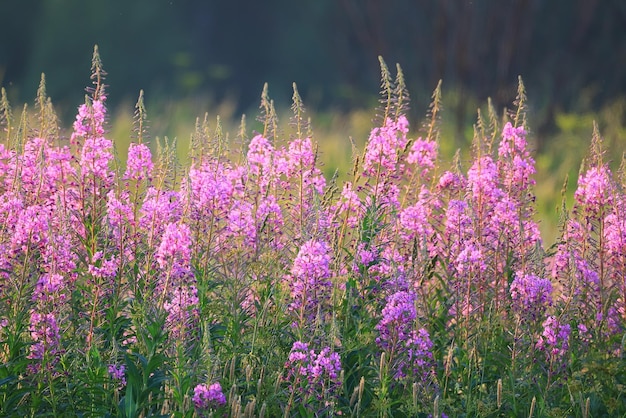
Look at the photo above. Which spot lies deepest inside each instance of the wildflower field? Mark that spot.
(248, 284)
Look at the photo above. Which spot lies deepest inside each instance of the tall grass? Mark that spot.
(248, 283)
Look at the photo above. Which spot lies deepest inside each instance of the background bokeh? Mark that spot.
(571, 53)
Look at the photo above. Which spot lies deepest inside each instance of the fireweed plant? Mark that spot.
(247, 284)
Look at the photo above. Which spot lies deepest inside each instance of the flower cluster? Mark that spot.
(118, 373)
(209, 397)
(410, 349)
(384, 147)
(531, 295)
(309, 280)
(312, 374)
(182, 310)
(554, 339)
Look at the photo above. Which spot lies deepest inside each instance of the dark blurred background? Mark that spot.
(570, 53)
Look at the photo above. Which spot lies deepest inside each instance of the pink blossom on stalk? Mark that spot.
(300, 155)
(414, 221)
(349, 204)
(119, 210)
(175, 247)
(452, 182)
(595, 189)
(310, 272)
(260, 155)
(210, 188)
(208, 397)
(159, 208)
(49, 287)
(44, 331)
(31, 227)
(139, 164)
(513, 141)
(410, 350)
(95, 158)
(182, 309)
(241, 221)
(384, 146)
(90, 119)
(482, 179)
(423, 154)
(554, 340)
(470, 260)
(312, 374)
(118, 373)
(615, 235)
(58, 255)
(530, 295)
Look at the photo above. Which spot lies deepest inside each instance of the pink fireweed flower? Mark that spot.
(58, 254)
(349, 204)
(513, 141)
(119, 209)
(300, 155)
(241, 221)
(384, 146)
(31, 228)
(310, 272)
(260, 155)
(90, 119)
(471, 260)
(595, 190)
(414, 221)
(312, 374)
(139, 164)
(49, 288)
(482, 179)
(210, 188)
(410, 349)
(103, 268)
(118, 373)
(159, 208)
(95, 159)
(423, 153)
(554, 340)
(208, 397)
(182, 310)
(44, 331)
(299, 160)
(451, 182)
(530, 295)
(615, 234)
(175, 246)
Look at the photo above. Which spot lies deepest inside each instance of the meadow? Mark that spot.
(247, 281)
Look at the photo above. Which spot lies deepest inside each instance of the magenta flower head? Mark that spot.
(385, 145)
(410, 349)
(139, 163)
(554, 340)
(530, 295)
(423, 154)
(208, 397)
(595, 189)
(312, 374)
(310, 272)
(118, 373)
